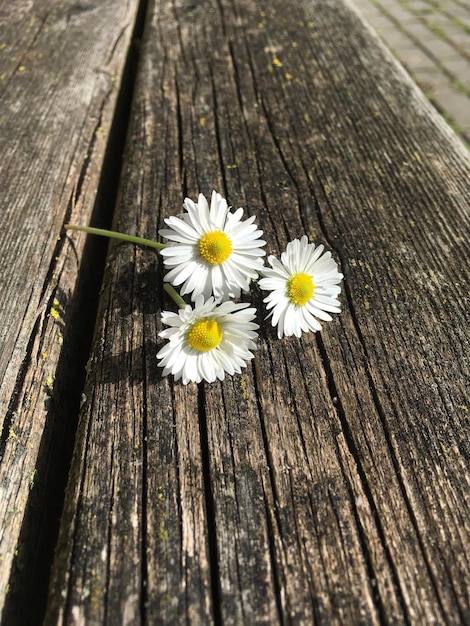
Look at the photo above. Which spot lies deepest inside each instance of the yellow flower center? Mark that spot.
(215, 247)
(205, 335)
(300, 288)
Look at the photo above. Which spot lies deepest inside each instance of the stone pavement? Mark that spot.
(431, 39)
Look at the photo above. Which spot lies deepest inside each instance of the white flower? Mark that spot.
(207, 341)
(212, 252)
(304, 285)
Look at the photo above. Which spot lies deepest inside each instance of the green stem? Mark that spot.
(174, 295)
(140, 241)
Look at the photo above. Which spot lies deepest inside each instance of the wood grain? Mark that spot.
(328, 484)
(63, 64)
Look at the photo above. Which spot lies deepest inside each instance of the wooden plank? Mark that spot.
(63, 64)
(329, 483)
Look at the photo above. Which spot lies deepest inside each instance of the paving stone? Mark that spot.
(431, 38)
(399, 13)
(461, 40)
(432, 81)
(368, 8)
(438, 22)
(459, 11)
(440, 49)
(420, 31)
(450, 5)
(419, 6)
(382, 23)
(460, 69)
(414, 59)
(440, 90)
(465, 21)
(459, 37)
(455, 106)
(395, 39)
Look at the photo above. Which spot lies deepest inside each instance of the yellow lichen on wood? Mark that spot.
(54, 311)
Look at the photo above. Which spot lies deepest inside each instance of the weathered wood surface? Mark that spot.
(62, 64)
(329, 483)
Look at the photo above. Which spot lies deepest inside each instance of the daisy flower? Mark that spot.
(304, 286)
(212, 251)
(208, 340)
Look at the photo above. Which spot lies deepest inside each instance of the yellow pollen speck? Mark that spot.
(215, 247)
(300, 289)
(21, 68)
(205, 335)
(277, 63)
(202, 122)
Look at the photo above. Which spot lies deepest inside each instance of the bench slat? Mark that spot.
(62, 66)
(327, 483)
